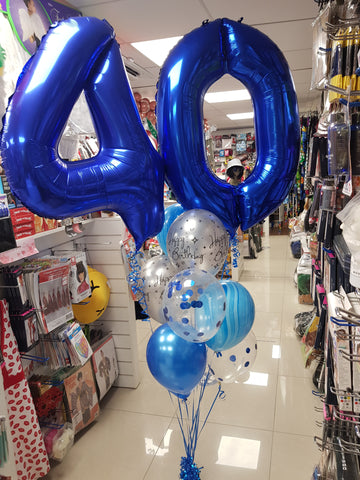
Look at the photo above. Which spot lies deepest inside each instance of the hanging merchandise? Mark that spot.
(321, 50)
(338, 140)
(92, 307)
(337, 62)
(355, 144)
(25, 432)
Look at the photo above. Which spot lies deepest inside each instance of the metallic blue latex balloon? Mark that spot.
(196, 62)
(239, 317)
(126, 176)
(171, 213)
(176, 364)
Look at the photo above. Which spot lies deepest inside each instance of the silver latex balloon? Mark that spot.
(157, 272)
(197, 238)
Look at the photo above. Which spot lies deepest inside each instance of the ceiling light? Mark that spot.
(230, 96)
(156, 50)
(240, 116)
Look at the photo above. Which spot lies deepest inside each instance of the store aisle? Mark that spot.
(262, 430)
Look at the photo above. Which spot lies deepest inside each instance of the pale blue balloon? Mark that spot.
(239, 317)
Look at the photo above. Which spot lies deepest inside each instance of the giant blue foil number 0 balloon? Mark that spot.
(197, 61)
(127, 174)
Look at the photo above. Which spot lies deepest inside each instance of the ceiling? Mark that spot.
(286, 22)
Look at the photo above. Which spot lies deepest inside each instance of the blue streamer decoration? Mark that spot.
(189, 469)
(235, 251)
(136, 281)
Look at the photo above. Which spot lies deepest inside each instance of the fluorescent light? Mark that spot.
(229, 96)
(239, 452)
(156, 50)
(240, 116)
(259, 379)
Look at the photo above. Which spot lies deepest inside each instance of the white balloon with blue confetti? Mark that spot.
(194, 304)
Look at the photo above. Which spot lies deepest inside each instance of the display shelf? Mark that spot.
(34, 244)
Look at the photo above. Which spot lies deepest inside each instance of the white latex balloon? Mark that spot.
(228, 366)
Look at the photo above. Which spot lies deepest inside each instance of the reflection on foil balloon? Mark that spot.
(176, 364)
(197, 238)
(228, 366)
(171, 213)
(194, 305)
(81, 54)
(196, 62)
(239, 317)
(157, 272)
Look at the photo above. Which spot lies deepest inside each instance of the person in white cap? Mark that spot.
(235, 170)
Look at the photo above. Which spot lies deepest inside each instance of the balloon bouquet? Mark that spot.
(197, 312)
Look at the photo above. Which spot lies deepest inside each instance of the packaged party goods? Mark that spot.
(105, 365)
(79, 283)
(303, 279)
(81, 397)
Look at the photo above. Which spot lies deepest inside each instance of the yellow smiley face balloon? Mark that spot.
(92, 307)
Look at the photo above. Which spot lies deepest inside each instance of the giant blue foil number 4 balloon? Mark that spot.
(126, 176)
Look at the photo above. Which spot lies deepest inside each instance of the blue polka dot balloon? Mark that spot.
(194, 304)
(230, 365)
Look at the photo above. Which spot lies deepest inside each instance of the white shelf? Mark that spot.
(34, 244)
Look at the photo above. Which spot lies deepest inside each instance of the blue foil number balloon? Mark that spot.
(196, 62)
(126, 176)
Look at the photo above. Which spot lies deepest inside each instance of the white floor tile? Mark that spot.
(292, 361)
(267, 325)
(118, 445)
(225, 452)
(245, 404)
(295, 406)
(149, 397)
(293, 456)
(262, 430)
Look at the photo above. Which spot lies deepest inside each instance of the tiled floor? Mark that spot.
(257, 432)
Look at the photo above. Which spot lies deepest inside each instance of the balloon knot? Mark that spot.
(188, 469)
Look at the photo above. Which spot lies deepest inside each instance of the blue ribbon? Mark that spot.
(188, 417)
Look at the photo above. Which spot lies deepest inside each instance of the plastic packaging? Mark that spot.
(349, 217)
(355, 144)
(303, 279)
(59, 441)
(338, 145)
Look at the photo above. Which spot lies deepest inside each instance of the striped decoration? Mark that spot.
(239, 317)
